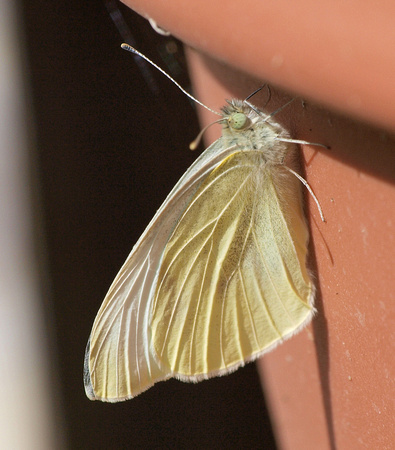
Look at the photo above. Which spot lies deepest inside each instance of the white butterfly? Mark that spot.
(219, 276)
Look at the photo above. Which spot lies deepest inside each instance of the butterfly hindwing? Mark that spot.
(233, 280)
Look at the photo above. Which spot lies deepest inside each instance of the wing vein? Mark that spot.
(214, 222)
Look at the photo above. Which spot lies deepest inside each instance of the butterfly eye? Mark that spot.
(238, 121)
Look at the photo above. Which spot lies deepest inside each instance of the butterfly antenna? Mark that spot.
(131, 49)
(255, 92)
(250, 104)
(127, 36)
(259, 89)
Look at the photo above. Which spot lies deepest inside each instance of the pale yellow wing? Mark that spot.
(233, 280)
(118, 360)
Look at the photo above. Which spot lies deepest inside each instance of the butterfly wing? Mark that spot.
(233, 281)
(118, 359)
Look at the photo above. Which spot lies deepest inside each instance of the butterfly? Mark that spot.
(219, 277)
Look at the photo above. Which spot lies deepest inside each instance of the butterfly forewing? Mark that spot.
(118, 361)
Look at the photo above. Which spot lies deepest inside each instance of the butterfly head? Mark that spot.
(240, 115)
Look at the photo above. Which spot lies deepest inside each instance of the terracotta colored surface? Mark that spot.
(332, 386)
(338, 53)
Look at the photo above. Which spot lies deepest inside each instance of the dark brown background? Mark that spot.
(108, 152)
